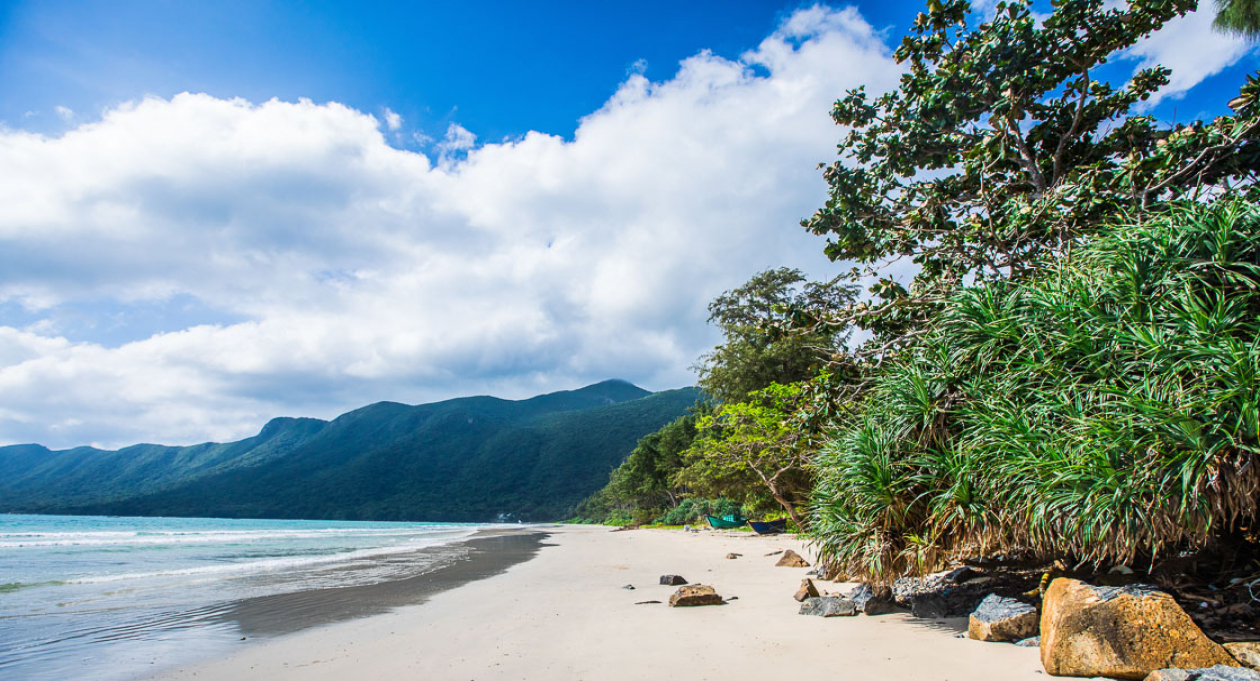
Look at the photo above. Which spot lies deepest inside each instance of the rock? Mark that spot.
(1002, 619)
(828, 606)
(1122, 632)
(629, 587)
(827, 572)
(672, 580)
(873, 602)
(1246, 652)
(932, 597)
(807, 590)
(1218, 672)
(733, 556)
(1033, 642)
(791, 559)
(696, 594)
(959, 575)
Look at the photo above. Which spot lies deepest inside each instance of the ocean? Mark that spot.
(111, 598)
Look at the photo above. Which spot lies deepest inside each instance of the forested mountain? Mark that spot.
(466, 459)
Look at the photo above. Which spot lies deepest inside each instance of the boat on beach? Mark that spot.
(769, 526)
(728, 522)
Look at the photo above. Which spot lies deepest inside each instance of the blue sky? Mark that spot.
(217, 213)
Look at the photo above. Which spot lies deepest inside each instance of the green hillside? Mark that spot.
(469, 459)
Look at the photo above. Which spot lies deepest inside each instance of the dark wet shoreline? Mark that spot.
(486, 554)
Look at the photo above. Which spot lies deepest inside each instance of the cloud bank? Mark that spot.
(326, 269)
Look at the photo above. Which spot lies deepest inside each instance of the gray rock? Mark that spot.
(828, 606)
(872, 602)
(934, 598)
(1033, 642)
(1002, 619)
(1215, 673)
(672, 580)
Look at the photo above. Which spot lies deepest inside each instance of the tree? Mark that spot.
(761, 438)
(1241, 17)
(751, 355)
(1001, 149)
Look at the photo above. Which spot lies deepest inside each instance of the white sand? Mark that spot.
(565, 615)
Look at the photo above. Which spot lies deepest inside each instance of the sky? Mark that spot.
(219, 213)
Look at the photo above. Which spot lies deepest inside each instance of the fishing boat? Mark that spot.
(728, 522)
(769, 526)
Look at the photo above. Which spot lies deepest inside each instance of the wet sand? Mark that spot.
(566, 614)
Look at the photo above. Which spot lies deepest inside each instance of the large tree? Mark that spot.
(1238, 16)
(1002, 148)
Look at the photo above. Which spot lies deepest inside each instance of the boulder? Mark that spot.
(791, 559)
(933, 597)
(733, 556)
(1002, 619)
(1246, 652)
(1122, 632)
(807, 590)
(1218, 672)
(873, 602)
(672, 580)
(828, 606)
(696, 594)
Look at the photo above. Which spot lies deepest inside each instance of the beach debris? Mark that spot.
(733, 556)
(791, 559)
(695, 594)
(1218, 672)
(828, 572)
(807, 590)
(673, 580)
(645, 602)
(629, 587)
(1246, 652)
(828, 606)
(1002, 619)
(1123, 632)
(870, 601)
(1030, 642)
(774, 553)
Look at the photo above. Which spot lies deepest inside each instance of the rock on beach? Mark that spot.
(1002, 619)
(695, 594)
(828, 606)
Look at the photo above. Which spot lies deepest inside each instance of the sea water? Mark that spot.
(111, 598)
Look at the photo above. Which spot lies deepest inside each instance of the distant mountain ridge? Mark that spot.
(465, 459)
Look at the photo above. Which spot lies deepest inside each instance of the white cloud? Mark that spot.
(360, 272)
(1191, 48)
(392, 120)
(64, 113)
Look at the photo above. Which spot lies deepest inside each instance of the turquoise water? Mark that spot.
(112, 598)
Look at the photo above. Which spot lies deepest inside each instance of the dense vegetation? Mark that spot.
(470, 459)
(1073, 372)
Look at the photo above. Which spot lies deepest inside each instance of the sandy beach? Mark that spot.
(566, 614)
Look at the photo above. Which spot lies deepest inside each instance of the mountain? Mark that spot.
(466, 459)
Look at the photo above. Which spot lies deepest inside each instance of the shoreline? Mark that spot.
(566, 613)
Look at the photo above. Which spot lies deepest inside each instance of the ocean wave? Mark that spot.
(176, 538)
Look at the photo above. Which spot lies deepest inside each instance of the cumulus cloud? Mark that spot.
(1191, 48)
(352, 271)
(392, 120)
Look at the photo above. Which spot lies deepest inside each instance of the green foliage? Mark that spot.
(748, 449)
(1001, 148)
(468, 459)
(692, 510)
(1107, 410)
(751, 357)
(1241, 17)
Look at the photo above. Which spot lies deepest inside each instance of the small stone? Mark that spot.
(672, 580)
(733, 556)
(1002, 619)
(695, 594)
(1246, 652)
(629, 587)
(791, 559)
(807, 590)
(1032, 642)
(828, 606)
(1218, 672)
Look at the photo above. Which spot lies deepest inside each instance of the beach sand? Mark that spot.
(565, 614)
